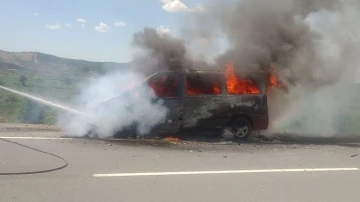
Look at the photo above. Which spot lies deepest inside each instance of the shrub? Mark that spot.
(12, 98)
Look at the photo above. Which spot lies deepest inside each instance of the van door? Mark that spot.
(203, 100)
(167, 87)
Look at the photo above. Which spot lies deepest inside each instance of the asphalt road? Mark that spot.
(181, 171)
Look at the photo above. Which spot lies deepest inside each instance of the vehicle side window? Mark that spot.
(165, 86)
(202, 84)
(238, 86)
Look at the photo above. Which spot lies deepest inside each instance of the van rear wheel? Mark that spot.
(240, 128)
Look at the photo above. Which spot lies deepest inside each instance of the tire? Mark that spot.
(241, 128)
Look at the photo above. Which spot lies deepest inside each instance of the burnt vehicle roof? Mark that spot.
(257, 76)
(199, 70)
(186, 71)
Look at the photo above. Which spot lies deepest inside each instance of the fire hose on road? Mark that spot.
(65, 164)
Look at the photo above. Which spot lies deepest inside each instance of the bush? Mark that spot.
(12, 98)
(23, 80)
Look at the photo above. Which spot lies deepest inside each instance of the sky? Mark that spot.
(91, 30)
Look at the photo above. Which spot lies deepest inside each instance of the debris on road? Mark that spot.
(264, 138)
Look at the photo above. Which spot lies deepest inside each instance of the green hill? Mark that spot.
(43, 75)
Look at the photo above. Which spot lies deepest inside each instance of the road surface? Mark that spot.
(121, 170)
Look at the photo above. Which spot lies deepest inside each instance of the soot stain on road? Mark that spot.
(260, 142)
(192, 143)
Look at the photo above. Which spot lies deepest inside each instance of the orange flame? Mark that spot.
(193, 89)
(164, 87)
(273, 81)
(236, 85)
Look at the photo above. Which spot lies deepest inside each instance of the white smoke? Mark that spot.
(320, 111)
(114, 102)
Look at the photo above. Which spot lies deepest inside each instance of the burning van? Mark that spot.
(207, 100)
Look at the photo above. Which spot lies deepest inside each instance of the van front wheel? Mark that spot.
(241, 128)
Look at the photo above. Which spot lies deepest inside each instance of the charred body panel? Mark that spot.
(209, 112)
(216, 110)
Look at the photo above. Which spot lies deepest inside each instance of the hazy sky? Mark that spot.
(85, 29)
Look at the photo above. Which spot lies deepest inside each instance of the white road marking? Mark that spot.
(38, 138)
(224, 172)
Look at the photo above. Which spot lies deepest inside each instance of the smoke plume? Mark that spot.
(314, 45)
(120, 100)
(159, 51)
(114, 102)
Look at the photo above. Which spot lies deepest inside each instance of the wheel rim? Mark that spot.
(241, 130)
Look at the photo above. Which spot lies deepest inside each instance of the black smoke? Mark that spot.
(162, 51)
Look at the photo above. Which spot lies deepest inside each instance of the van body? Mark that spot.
(205, 101)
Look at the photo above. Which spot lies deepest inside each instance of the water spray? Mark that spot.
(51, 104)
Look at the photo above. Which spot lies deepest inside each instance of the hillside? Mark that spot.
(47, 76)
(41, 64)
